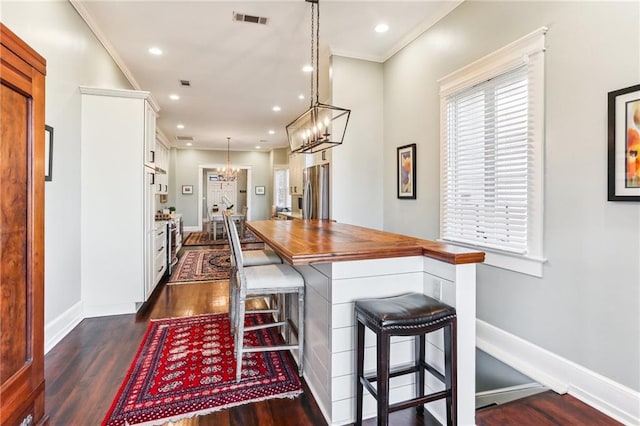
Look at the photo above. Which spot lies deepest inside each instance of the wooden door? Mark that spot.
(22, 75)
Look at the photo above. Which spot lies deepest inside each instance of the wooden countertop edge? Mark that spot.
(415, 247)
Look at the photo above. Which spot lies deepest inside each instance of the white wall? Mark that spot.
(74, 57)
(356, 165)
(586, 308)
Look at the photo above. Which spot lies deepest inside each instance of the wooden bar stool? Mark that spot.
(412, 314)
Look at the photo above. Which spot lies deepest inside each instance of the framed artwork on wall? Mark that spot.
(407, 171)
(259, 190)
(624, 144)
(187, 189)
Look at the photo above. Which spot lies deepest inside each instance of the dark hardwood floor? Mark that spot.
(84, 371)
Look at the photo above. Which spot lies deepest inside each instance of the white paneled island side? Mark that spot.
(342, 263)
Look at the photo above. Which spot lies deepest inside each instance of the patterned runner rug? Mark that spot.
(202, 265)
(202, 239)
(186, 367)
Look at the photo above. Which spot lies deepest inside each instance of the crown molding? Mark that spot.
(84, 14)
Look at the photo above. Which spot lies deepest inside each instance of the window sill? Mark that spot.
(512, 262)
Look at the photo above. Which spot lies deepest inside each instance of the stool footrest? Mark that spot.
(418, 401)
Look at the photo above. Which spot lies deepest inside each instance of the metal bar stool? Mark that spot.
(412, 314)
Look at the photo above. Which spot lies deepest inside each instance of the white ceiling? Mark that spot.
(238, 70)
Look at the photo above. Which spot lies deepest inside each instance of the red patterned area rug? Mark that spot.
(185, 367)
(202, 265)
(202, 239)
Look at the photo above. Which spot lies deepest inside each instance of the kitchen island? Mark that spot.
(342, 263)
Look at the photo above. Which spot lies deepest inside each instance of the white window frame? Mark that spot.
(527, 50)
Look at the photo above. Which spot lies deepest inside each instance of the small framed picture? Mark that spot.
(624, 144)
(259, 190)
(407, 171)
(187, 189)
(48, 153)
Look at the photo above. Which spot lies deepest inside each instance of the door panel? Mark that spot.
(21, 232)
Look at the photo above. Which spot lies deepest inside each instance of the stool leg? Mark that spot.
(383, 348)
(300, 331)
(450, 370)
(419, 342)
(359, 369)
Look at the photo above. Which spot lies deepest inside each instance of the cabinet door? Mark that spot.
(149, 134)
(296, 165)
(21, 232)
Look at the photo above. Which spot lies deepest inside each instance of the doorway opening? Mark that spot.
(215, 190)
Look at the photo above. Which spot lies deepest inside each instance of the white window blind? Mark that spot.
(492, 152)
(486, 163)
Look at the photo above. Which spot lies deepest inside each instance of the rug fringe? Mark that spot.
(159, 422)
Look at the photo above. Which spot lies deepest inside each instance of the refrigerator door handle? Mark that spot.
(307, 198)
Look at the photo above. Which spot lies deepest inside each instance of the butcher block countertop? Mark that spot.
(301, 242)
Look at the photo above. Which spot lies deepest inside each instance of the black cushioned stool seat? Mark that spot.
(411, 314)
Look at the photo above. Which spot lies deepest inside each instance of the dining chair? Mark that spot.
(242, 221)
(274, 283)
(215, 221)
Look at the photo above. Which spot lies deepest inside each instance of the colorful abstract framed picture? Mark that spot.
(624, 144)
(407, 171)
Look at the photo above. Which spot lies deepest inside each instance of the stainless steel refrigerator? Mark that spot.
(315, 195)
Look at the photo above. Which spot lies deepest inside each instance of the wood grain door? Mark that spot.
(22, 74)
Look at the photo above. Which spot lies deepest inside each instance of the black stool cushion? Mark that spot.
(407, 310)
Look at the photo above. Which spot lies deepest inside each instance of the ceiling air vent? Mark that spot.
(185, 138)
(241, 17)
(185, 83)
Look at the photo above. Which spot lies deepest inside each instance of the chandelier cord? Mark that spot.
(311, 81)
(318, 53)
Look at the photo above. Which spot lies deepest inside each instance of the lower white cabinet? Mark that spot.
(159, 255)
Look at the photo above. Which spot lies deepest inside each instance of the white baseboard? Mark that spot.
(560, 374)
(108, 310)
(54, 331)
(192, 228)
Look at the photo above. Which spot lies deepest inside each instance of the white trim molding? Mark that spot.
(54, 331)
(560, 374)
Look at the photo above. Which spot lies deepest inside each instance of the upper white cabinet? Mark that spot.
(162, 168)
(296, 166)
(117, 199)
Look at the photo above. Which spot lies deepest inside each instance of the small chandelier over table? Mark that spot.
(322, 126)
(228, 172)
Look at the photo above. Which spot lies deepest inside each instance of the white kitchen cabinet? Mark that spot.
(162, 168)
(297, 164)
(117, 199)
(159, 254)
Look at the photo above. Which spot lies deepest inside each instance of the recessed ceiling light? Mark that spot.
(382, 28)
(301, 96)
(307, 68)
(257, 146)
(272, 132)
(180, 126)
(189, 144)
(276, 108)
(155, 51)
(174, 97)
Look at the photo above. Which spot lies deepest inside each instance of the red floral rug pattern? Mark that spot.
(202, 265)
(186, 367)
(202, 239)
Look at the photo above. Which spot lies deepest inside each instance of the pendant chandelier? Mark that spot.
(322, 126)
(229, 173)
